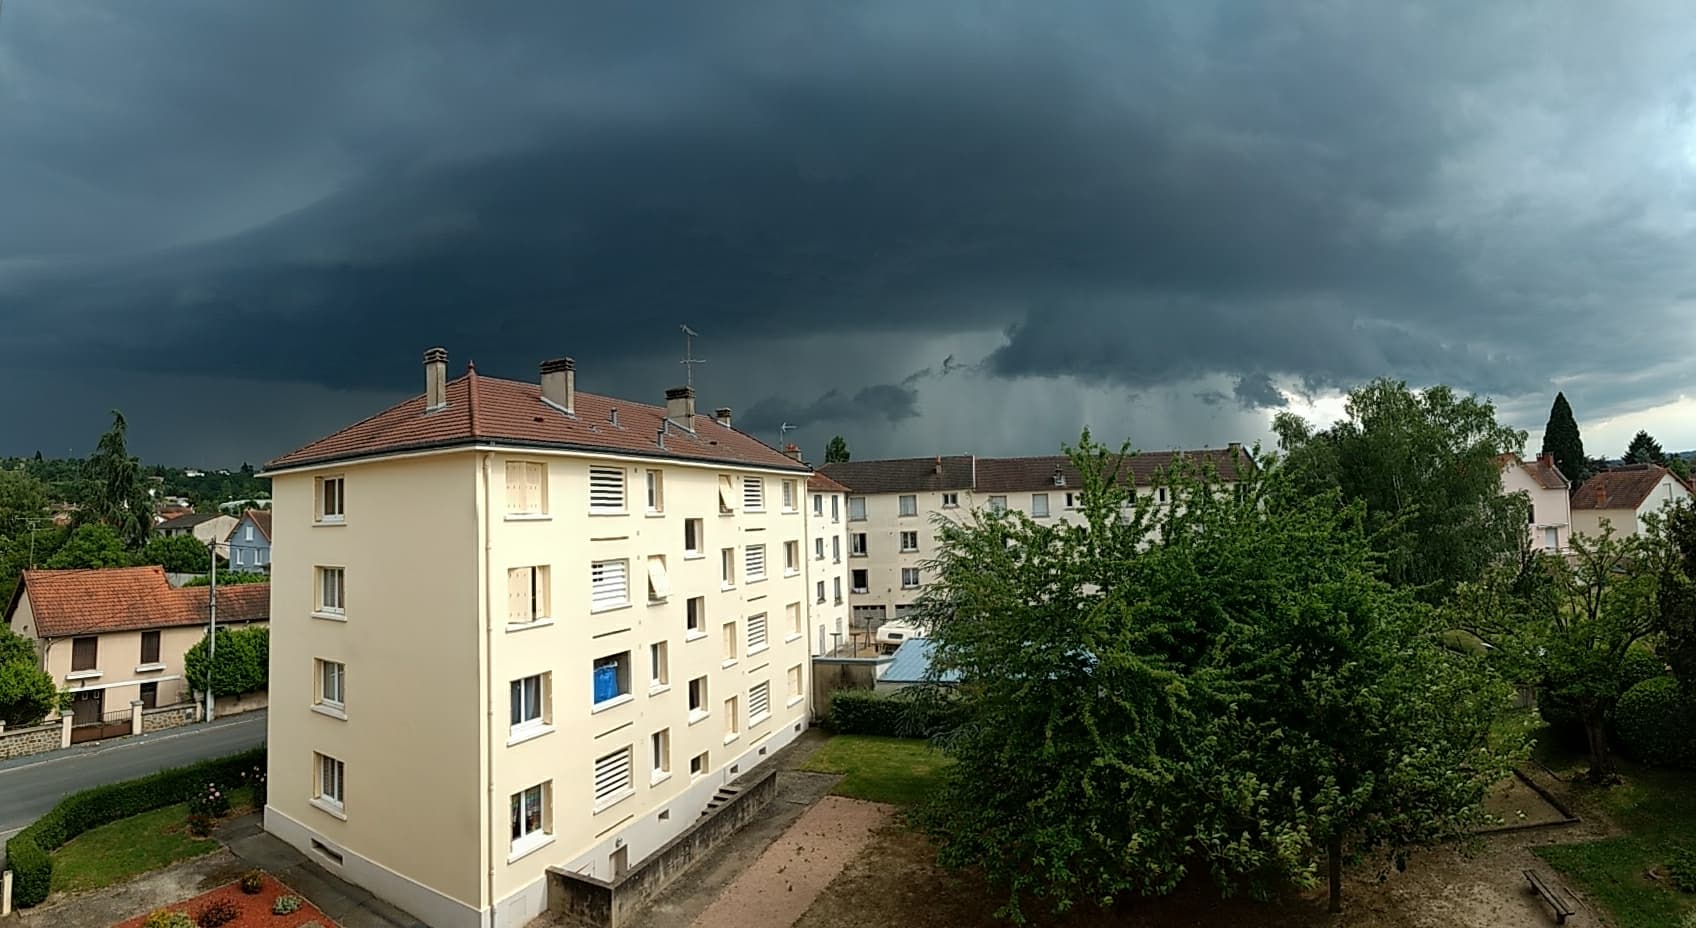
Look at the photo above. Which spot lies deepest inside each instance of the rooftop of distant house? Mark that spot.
(821, 483)
(1625, 487)
(187, 520)
(261, 519)
(1021, 474)
(475, 410)
(1541, 468)
(110, 599)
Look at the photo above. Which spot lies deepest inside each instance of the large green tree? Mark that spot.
(22, 499)
(27, 693)
(1218, 686)
(1676, 606)
(93, 545)
(836, 451)
(1423, 464)
(1561, 439)
(178, 554)
(1644, 449)
(241, 663)
(118, 496)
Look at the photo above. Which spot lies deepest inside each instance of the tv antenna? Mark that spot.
(783, 433)
(689, 360)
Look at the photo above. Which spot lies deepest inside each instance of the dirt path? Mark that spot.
(783, 883)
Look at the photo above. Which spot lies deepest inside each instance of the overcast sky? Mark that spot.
(929, 226)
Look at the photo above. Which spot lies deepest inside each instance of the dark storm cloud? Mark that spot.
(1135, 196)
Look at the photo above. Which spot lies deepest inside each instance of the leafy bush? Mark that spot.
(210, 800)
(27, 851)
(255, 779)
(862, 712)
(27, 693)
(1656, 724)
(285, 905)
(167, 918)
(217, 912)
(178, 554)
(1682, 870)
(252, 882)
(1567, 726)
(228, 578)
(243, 662)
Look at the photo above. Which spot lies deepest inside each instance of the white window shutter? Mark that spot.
(514, 486)
(657, 579)
(609, 584)
(726, 494)
(518, 595)
(606, 489)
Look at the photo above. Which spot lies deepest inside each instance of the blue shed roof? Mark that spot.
(912, 662)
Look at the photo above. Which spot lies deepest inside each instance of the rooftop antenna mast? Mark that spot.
(783, 434)
(689, 360)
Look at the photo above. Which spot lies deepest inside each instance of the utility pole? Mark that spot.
(32, 520)
(212, 628)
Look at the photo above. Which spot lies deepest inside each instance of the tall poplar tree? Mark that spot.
(1561, 439)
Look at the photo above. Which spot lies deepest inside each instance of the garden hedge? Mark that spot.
(1656, 724)
(27, 853)
(1564, 722)
(862, 712)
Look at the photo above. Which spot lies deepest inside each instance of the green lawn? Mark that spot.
(894, 770)
(1657, 810)
(117, 851)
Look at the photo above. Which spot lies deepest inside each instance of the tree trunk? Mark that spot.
(1601, 759)
(1334, 859)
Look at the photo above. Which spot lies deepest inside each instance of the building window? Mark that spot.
(909, 505)
(795, 682)
(856, 508)
(661, 751)
(909, 578)
(699, 765)
(727, 567)
(526, 488)
(792, 613)
(331, 788)
(609, 585)
(727, 635)
(950, 500)
(754, 563)
(247, 533)
(659, 584)
(791, 557)
(857, 544)
(1161, 493)
(85, 653)
(1551, 539)
(241, 556)
(659, 666)
(329, 494)
(998, 504)
(695, 615)
(529, 818)
(697, 699)
(150, 695)
(1074, 500)
(726, 495)
(693, 529)
(757, 633)
(759, 703)
(836, 549)
(857, 581)
(656, 491)
(529, 708)
(835, 509)
(818, 549)
(332, 684)
(753, 494)
(150, 647)
(331, 591)
(836, 587)
(821, 590)
(606, 490)
(526, 595)
(788, 496)
(1039, 505)
(818, 504)
(611, 679)
(1531, 514)
(732, 718)
(909, 541)
(613, 781)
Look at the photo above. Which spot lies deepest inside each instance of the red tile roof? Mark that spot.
(86, 602)
(824, 484)
(1012, 475)
(1621, 488)
(1541, 468)
(904, 475)
(261, 519)
(493, 410)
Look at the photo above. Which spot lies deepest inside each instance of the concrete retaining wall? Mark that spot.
(236, 705)
(590, 903)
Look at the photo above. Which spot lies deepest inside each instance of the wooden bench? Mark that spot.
(1562, 910)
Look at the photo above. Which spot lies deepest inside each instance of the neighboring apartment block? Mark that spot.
(1623, 496)
(827, 562)
(893, 506)
(1549, 519)
(520, 627)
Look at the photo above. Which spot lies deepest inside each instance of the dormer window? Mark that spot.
(1059, 478)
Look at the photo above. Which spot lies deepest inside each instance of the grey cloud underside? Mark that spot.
(1136, 197)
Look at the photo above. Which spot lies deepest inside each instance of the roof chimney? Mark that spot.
(938, 468)
(722, 414)
(792, 450)
(680, 407)
(559, 384)
(435, 378)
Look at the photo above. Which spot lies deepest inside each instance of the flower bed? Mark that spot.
(255, 908)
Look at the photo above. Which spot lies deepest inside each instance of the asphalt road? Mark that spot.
(31, 785)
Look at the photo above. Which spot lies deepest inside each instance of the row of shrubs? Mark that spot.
(28, 852)
(902, 714)
(1654, 722)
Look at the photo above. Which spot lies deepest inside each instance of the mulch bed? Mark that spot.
(255, 909)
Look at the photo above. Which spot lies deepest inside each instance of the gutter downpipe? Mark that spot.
(489, 684)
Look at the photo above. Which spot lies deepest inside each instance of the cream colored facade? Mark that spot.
(1550, 525)
(827, 569)
(424, 633)
(1628, 520)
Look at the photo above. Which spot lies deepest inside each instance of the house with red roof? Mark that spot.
(1549, 520)
(1623, 496)
(115, 634)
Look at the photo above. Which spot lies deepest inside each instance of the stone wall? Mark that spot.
(586, 902)
(169, 717)
(21, 742)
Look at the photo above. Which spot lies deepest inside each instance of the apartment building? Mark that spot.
(894, 507)
(827, 570)
(1549, 519)
(518, 627)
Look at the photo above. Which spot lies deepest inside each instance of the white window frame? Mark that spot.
(247, 532)
(607, 491)
(614, 777)
(241, 556)
(818, 504)
(699, 699)
(792, 616)
(528, 726)
(856, 509)
(788, 495)
(659, 667)
(998, 504)
(909, 572)
(695, 618)
(862, 588)
(606, 578)
(699, 528)
(727, 568)
(836, 549)
(622, 660)
(791, 558)
(538, 798)
(329, 784)
(1074, 500)
(732, 719)
(835, 511)
(753, 494)
(324, 488)
(329, 699)
(859, 541)
(796, 682)
(730, 638)
(1039, 505)
(700, 765)
(659, 582)
(821, 590)
(909, 548)
(908, 505)
(836, 589)
(659, 756)
(818, 548)
(950, 500)
(338, 609)
(655, 480)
